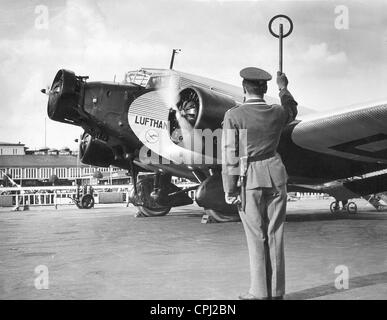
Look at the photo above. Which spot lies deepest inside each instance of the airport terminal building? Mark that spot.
(37, 167)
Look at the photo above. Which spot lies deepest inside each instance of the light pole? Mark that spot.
(77, 173)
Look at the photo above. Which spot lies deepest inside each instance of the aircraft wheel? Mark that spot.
(219, 216)
(154, 212)
(87, 201)
(352, 208)
(334, 207)
(151, 212)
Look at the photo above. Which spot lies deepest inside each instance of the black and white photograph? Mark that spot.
(210, 151)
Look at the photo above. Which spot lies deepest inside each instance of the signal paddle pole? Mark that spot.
(280, 35)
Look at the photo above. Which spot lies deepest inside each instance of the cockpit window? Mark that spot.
(139, 77)
(151, 79)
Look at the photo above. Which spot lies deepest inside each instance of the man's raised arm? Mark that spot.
(287, 100)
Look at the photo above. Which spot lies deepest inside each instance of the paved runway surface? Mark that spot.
(107, 253)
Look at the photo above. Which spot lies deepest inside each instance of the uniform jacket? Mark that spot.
(256, 130)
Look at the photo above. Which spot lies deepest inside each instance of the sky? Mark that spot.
(335, 57)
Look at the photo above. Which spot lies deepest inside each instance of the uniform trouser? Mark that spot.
(263, 221)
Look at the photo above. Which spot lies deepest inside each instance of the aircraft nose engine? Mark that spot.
(65, 97)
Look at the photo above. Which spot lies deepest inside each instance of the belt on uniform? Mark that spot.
(261, 157)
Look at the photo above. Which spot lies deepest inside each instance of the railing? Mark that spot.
(36, 199)
(51, 196)
(59, 195)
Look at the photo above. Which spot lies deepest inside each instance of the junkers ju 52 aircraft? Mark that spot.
(342, 153)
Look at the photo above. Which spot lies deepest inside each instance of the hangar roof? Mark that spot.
(2, 143)
(39, 161)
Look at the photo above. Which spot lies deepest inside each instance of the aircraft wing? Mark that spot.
(358, 134)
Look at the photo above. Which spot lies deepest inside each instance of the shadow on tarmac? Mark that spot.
(328, 289)
(300, 217)
(327, 216)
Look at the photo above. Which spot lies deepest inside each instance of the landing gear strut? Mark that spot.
(155, 195)
(152, 209)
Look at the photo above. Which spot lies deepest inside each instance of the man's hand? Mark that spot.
(282, 80)
(231, 198)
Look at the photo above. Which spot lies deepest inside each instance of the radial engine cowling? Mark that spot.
(202, 108)
(94, 152)
(65, 97)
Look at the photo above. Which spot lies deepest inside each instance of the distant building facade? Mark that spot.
(12, 149)
(36, 167)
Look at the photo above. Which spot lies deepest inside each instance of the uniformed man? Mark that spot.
(264, 192)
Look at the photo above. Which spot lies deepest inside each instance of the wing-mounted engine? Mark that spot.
(95, 152)
(201, 108)
(100, 153)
